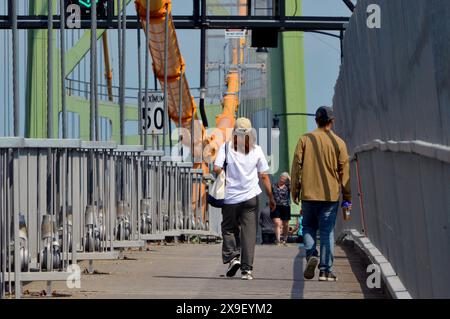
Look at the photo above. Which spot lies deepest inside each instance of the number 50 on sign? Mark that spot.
(154, 123)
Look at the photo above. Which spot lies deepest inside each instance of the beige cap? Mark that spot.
(243, 124)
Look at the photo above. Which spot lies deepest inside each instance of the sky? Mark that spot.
(322, 57)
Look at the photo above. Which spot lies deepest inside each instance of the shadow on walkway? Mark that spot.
(358, 263)
(298, 286)
(222, 278)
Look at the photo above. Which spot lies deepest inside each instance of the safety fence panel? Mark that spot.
(172, 198)
(128, 195)
(149, 208)
(92, 175)
(36, 232)
(62, 201)
(6, 218)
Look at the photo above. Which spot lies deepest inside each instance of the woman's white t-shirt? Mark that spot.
(242, 181)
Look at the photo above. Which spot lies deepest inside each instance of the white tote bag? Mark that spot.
(216, 195)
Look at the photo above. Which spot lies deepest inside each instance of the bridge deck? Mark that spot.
(196, 271)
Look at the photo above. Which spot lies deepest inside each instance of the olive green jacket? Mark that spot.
(320, 169)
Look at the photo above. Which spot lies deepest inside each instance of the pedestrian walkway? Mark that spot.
(196, 271)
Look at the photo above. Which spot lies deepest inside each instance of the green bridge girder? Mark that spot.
(288, 89)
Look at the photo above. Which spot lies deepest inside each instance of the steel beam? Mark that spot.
(109, 255)
(302, 23)
(39, 276)
(349, 5)
(128, 243)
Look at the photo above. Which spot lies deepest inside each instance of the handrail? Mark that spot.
(434, 151)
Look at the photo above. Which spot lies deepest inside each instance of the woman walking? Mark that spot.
(282, 214)
(244, 161)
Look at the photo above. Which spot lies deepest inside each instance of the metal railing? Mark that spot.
(37, 237)
(128, 193)
(95, 200)
(62, 201)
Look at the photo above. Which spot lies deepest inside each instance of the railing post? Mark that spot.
(93, 127)
(15, 212)
(63, 68)
(121, 105)
(147, 63)
(123, 65)
(15, 47)
(50, 70)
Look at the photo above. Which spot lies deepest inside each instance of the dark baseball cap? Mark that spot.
(325, 113)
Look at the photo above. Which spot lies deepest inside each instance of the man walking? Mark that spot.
(267, 226)
(320, 172)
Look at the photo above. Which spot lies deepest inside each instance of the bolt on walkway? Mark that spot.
(196, 271)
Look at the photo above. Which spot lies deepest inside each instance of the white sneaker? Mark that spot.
(233, 267)
(247, 275)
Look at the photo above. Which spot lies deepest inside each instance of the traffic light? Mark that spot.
(103, 7)
(86, 3)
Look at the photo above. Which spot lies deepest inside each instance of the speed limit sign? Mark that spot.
(153, 121)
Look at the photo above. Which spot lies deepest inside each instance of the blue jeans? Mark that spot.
(319, 216)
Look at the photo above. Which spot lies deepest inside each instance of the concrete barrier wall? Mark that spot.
(394, 85)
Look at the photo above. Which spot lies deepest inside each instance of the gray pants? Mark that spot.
(239, 226)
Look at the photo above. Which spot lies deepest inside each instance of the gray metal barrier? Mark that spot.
(171, 204)
(151, 225)
(128, 192)
(198, 220)
(36, 233)
(6, 207)
(62, 201)
(92, 167)
(175, 199)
